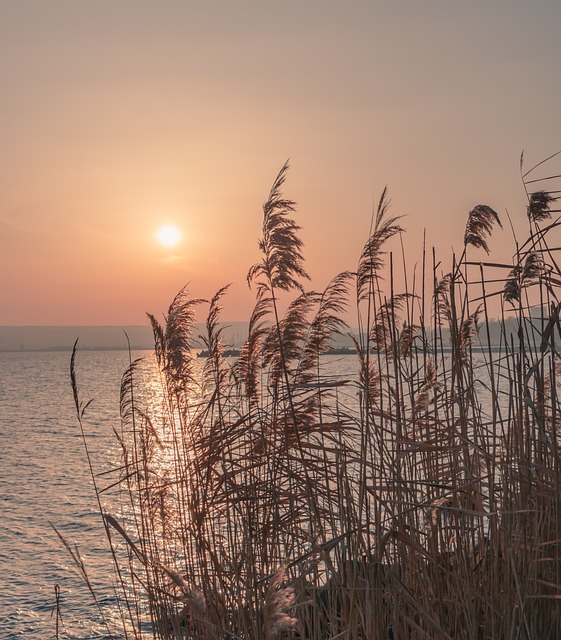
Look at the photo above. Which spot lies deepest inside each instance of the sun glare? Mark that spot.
(169, 235)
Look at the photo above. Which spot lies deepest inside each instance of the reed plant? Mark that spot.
(262, 499)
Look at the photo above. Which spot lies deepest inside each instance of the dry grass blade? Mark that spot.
(74, 553)
(539, 164)
(115, 524)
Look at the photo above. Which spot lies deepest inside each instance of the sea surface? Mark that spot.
(45, 482)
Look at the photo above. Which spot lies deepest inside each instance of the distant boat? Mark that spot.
(340, 351)
(227, 353)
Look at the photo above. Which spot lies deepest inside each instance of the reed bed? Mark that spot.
(420, 499)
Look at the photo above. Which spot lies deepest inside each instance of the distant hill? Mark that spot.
(42, 338)
(36, 338)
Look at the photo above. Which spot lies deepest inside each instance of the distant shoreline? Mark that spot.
(201, 353)
(27, 339)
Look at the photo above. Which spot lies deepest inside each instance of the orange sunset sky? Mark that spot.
(120, 116)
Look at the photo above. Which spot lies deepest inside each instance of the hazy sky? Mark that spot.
(119, 116)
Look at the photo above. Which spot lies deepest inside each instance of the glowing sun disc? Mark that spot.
(169, 235)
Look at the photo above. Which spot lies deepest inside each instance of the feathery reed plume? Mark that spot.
(468, 330)
(213, 370)
(213, 331)
(442, 299)
(431, 383)
(538, 207)
(179, 324)
(283, 262)
(193, 599)
(173, 342)
(407, 337)
(369, 375)
(279, 599)
(291, 332)
(371, 258)
(533, 267)
(479, 225)
(159, 340)
(512, 286)
(326, 323)
(126, 393)
(247, 366)
(520, 277)
(382, 332)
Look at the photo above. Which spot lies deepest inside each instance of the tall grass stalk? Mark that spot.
(420, 499)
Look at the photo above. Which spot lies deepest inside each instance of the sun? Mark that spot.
(169, 235)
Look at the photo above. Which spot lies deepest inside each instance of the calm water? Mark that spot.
(44, 478)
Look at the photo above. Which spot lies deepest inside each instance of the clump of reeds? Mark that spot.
(420, 499)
